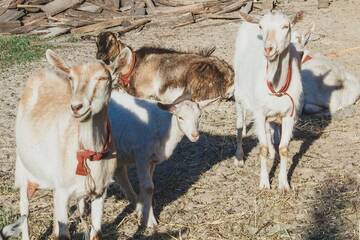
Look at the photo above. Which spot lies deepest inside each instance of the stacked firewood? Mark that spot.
(52, 18)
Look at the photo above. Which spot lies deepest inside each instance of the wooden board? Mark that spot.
(8, 26)
(58, 6)
(89, 7)
(99, 26)
(11, 15)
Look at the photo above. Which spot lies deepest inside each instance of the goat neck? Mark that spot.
(175, 135)
(93, 133)
(277, 70)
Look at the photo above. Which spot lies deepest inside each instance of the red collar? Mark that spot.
(124, 79)
(82, 154)
(306, 58)
(284, 88)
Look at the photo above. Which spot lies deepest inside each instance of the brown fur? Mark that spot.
(202, 75)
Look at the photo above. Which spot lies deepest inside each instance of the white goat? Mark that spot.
(328, 86)
(12, 230)
(61, 122)
(146, 135)
(268, 83)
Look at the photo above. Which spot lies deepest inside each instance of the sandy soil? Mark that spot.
(199, 193)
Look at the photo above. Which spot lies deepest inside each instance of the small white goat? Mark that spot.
(61, 123)
(328, 86)
(12, 230)
(268, 83)
(146, 135)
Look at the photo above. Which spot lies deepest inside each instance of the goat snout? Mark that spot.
(268, 51)
(76, 107)
(195, 136)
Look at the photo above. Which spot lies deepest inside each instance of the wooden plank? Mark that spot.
(10, 25)
(89, 7)
(232, 7)
(11, 15)
(2, 10)
(58, 6)
(194, 8)
(99, 26)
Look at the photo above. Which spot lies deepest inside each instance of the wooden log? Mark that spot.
(150, 6)
(99, 26)
(194, 8)
(11, 15)
(116, 3)
(10, 25)
(2, 10)
(56, 31)
(38, 2)
(14, 3)
(89, 7)
(174, 21)
(29, 27)
(58, 6)
(136, 24)
(232, 7)
(171, 3)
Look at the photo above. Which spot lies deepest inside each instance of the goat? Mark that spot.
(328, 86)
(13, 229)
(147, 136)
(268, 83)
(62, 129)
(166, 74)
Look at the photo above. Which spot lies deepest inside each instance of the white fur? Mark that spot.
(147, 143)
(47, 157)
(252, 93)
(328, 86)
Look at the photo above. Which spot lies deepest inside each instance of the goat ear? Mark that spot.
(206, 103)
(56, 61)
(123, 60)
(13, 229)
(167, 107)
(248, 18)
(298, 17)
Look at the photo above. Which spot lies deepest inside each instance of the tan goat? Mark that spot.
(62, 133)
(166, 74)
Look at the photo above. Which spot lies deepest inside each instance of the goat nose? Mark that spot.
(268, 50)
(195, 134)
(76, 107)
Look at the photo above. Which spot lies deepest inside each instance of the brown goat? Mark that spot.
(166, 74)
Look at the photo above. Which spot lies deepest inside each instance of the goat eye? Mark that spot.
(260, 27)
(181, 118)
(285, 27)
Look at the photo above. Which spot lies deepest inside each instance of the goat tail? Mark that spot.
(210, 79)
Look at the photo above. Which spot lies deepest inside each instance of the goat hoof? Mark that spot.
(284, 187)
(238, 163)
(264, 185)
(97, 236)
(151, 222)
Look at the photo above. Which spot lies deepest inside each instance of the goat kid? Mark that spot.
(61, 125)
(147, 136)
(12, 229)
(166, 74)
(328, 86)
(268, 83)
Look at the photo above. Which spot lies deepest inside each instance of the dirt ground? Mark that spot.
(199, 193)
